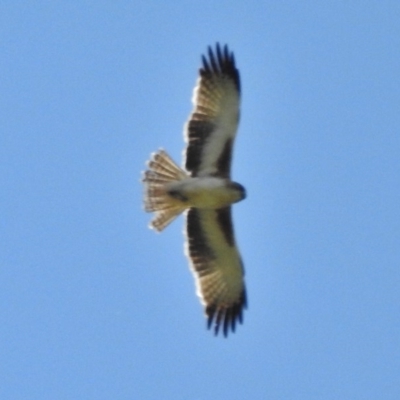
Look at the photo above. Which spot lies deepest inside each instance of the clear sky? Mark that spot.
(94, 305)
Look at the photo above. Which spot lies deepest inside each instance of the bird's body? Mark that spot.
(205, 192)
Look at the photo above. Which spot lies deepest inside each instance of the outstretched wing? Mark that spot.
(217, 266)
(212, 126)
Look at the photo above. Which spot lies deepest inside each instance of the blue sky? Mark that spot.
(94, 305)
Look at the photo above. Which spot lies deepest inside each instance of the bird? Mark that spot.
(203, 190)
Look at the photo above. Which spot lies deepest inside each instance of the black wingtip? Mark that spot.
(224, 319)
(220, 61)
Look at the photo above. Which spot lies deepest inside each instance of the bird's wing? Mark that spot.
(217, 266)
(212, 126)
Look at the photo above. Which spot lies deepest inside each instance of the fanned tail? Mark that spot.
(162, 170)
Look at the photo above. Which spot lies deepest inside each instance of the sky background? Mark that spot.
(94, 305)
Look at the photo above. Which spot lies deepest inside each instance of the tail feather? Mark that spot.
(163, 165)
(163, 218)
(162, 171)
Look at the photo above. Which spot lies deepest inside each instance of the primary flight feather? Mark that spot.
(205, 192)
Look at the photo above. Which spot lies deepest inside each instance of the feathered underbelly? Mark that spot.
(204, 192)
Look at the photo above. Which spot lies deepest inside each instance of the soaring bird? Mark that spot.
(204, 192)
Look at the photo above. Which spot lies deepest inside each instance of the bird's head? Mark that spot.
(240, 191)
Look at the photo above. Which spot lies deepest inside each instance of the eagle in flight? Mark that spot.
(204, 191)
